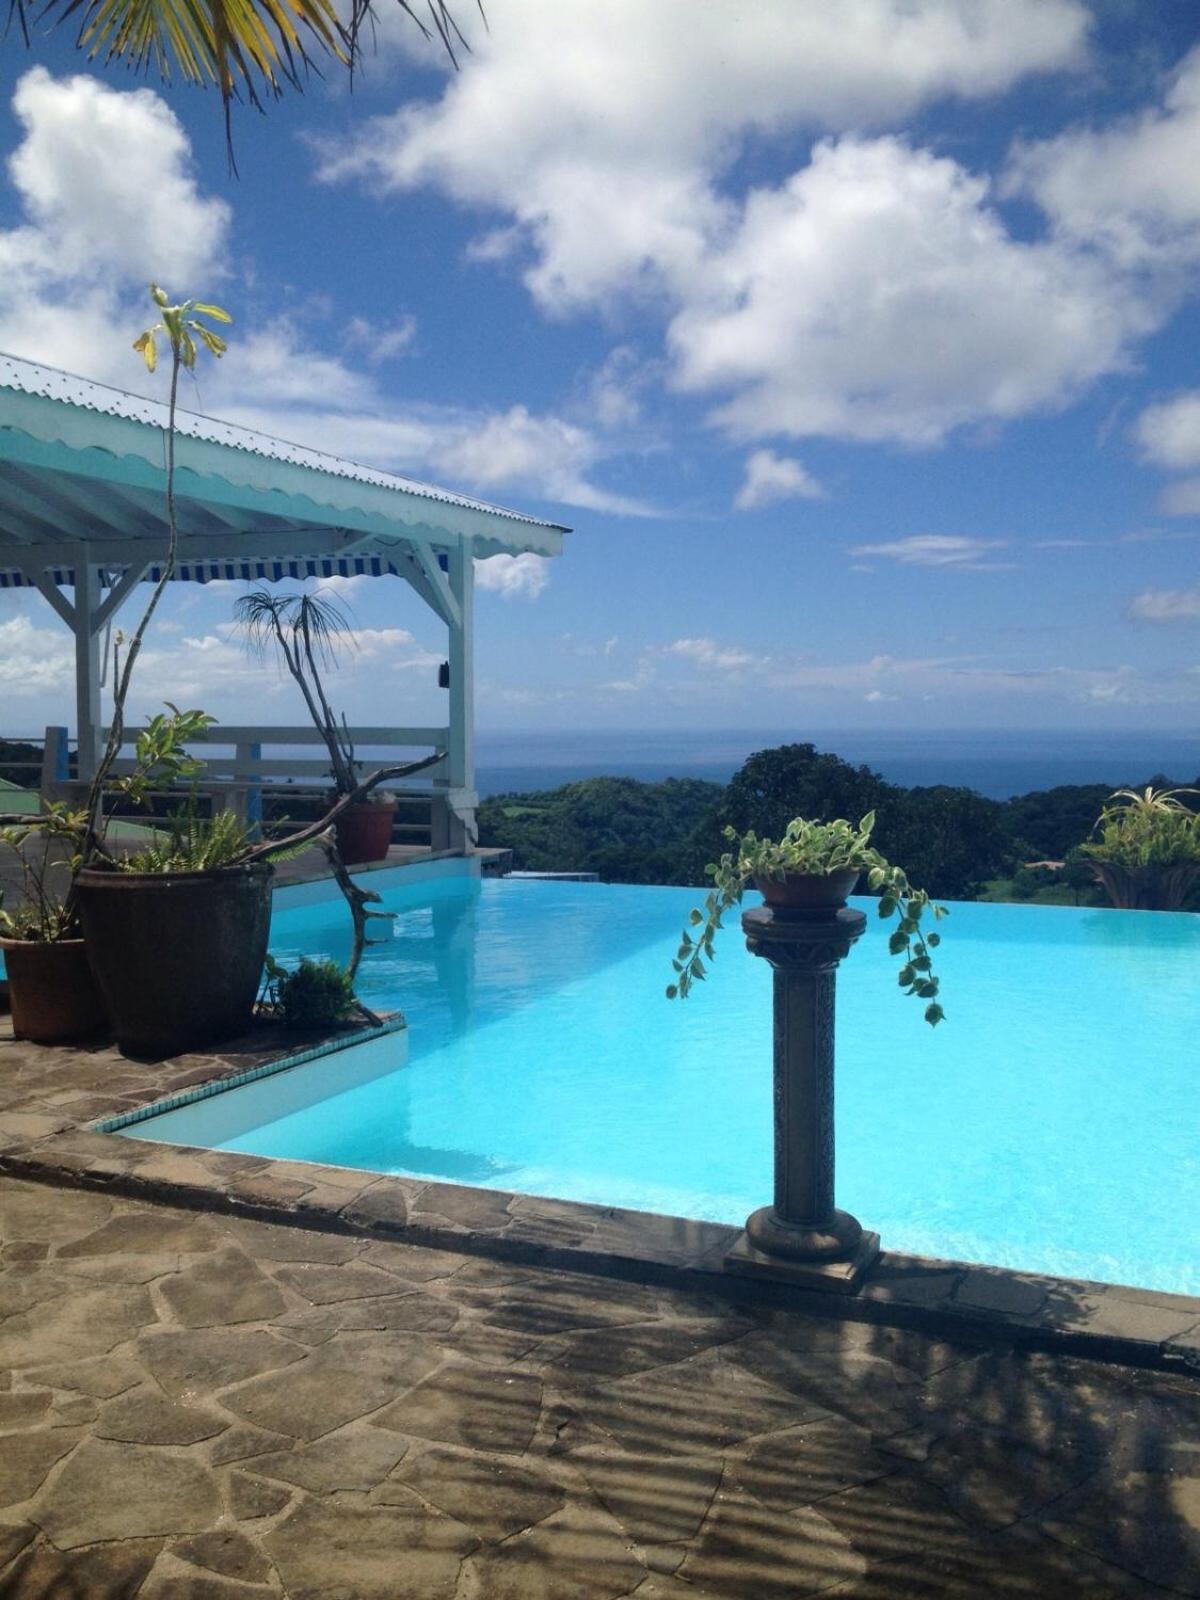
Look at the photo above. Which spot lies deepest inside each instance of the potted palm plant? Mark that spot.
(51, 980)
(1145, 849)
(813, 868)
(140, 922)
(306, 632)
(175, 933)
(176, 929)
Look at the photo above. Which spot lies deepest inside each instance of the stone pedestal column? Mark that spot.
(803, 1237)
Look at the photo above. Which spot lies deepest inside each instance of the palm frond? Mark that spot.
(318, 620)
(250, 49)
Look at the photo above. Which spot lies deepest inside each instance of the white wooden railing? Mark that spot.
(243, 766)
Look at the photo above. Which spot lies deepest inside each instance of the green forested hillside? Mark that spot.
(956, 843)
(628, 832)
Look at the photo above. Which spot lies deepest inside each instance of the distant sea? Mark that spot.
(994, 764)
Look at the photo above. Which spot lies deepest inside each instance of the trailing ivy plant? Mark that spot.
(816, 849)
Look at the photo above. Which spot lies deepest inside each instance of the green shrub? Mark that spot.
(315, 994)
(1152, 828)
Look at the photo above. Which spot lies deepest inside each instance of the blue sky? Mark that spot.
(857, 342)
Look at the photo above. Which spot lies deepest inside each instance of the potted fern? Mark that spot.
(176, 931)
(812, 870)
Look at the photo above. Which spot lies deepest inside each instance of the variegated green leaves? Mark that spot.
(182, 326)
(1146, 828)
(817, 849)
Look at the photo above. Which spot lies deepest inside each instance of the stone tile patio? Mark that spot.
(203, 1407)
(224, 1377)
(54, 1102)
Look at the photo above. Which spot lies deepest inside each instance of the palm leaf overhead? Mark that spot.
(248, 49)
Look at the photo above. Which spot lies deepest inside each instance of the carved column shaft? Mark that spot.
(804, 1232)
(804, 1148)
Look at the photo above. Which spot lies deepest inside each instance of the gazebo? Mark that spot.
(82, 508)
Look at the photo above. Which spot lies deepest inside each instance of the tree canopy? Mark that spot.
(950, 840)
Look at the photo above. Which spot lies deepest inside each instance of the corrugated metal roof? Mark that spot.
(31, 378)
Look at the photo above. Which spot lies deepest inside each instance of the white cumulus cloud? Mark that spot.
(770, 478)
(105, 180)
(711, 656)
(1132, 188)
(34, 659)
(919, 311)
(605, 148)
(609, 162)
(1169, 432)
(514, 577)
(106, 200)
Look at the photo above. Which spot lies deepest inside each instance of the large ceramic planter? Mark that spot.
(808, 891)
(51, 994)
(1147, 888)
(177, 957)
(364, 832)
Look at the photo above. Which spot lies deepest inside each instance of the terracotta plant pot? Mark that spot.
(808, 891)
(364, 832)
(177, 957)
(50, 991)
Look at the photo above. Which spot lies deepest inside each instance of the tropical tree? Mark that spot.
(250, 50)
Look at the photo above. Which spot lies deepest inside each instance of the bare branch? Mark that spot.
(274, 847)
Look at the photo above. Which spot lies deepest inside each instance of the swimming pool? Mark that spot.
(1050, 1124)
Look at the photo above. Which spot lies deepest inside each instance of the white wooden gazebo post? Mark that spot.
(86, 629)
(461, 799)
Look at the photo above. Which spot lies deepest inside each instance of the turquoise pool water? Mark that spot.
(1051, 1123)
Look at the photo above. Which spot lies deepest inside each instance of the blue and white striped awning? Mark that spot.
(234, 571)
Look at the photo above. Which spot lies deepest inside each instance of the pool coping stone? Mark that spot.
(58, 1105)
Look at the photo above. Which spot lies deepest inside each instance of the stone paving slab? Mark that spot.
(549, 1436)
(54, 1101)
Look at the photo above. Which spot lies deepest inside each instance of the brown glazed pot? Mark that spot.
(364, 832)
(808, 891)
(1147, 888)
(50, 991)
(177, 957)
